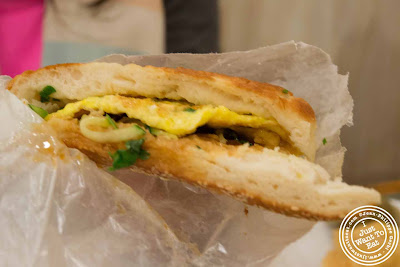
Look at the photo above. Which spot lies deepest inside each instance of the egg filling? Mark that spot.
(174, 118)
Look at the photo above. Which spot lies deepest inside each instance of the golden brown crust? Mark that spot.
(265, 90)
(167, 161)
(244, 197)
(26, 74)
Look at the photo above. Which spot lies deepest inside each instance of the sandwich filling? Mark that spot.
(117, 118)
(173, 119)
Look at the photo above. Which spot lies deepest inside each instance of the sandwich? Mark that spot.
(251, 140)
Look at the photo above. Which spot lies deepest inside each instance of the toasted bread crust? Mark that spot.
(197, 161)
(18, 79)
(265, 90)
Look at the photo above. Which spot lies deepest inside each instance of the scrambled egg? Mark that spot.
(177, 118)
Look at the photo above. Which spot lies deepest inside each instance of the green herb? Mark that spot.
(46, 92)
(285, 91)
(42, 113)
(111, 121)
(150, 129)
(139, 128)
(55, 99)
(189, 110)
(324, 141)
(128, 157)
(198, 147)
(232, 135)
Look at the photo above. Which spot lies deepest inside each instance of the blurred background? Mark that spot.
(362, 37)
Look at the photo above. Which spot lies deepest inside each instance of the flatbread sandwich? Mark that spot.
(254, 141)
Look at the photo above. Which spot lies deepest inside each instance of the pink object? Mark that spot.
(21, 26)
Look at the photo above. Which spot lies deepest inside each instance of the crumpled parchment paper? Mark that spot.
(58, 209)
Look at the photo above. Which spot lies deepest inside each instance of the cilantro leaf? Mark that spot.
(324, 141)
(128, 157)
(285, 91)
(46, 92)
(189, 110)
(122, 159)
(111, 121)
(150, 129)
(41, 112)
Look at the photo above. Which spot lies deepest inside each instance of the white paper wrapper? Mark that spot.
(58, 208)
